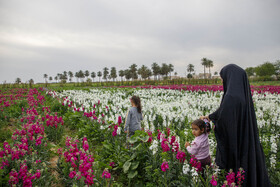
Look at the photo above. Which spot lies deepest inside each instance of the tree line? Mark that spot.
(267, 69)
(133, 72)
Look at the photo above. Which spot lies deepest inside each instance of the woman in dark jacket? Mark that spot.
(236, 131)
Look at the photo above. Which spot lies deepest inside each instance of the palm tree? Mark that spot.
(70, 74)
(113, 73)
(144, 71)
(86, 73)
(50, 79)
(190, 68)
(18, 80)
(63, 77)
(81, 75)
(205, 64)
(121, 73)
(55, 78)
(65, 73)
(93, 75)
(59, 75)
(171, 69)
(210, 64)
(105, 73)
(133, 71)
(155, 69)
(164, 70)
(77, 76)
(109, 77)
(31, 81)
(127, 74)
(45, 77)
(99, 74)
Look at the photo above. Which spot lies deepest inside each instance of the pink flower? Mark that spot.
(38, 141)
(59, 151)
(112, 164)
(114, 133)
(150, 136)
(38, 174)
(13, 179)
(164, 145)
(168, 132)
(119, 120)
(181, 156)
(164, 166)
(214, 180)
(106, 174)
(175, 147)
(85, 144)
(159, 134)
(173, 139)
(72, 174)
(240, 176)
(150, 139)
(38, 161)
(89, 180)
(230, 178)
(195, 163)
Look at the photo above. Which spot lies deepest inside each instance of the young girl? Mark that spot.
(134, 116)
(200, 146)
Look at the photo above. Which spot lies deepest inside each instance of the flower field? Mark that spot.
(76, 137)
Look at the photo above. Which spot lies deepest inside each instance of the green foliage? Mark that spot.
(189, 76)
(71, 120)
(250, 71)
(58, 107)
(266, 69)
(55, 134)
(4, 134)
(277, 67)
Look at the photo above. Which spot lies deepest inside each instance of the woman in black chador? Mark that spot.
(236, 131)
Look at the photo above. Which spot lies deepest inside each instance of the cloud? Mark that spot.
(52, 36)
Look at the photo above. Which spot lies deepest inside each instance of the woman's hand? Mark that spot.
(204, 117)
(187, 144)
(125, 131)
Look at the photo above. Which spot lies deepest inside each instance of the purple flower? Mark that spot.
(181, 156)
(72, 174)
(164, 166)
(106, 174)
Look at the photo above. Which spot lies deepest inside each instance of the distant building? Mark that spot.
(175, 77)
(195, 76)
(207, 75)
(216, 77)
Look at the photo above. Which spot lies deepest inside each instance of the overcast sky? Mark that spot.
(51, 36)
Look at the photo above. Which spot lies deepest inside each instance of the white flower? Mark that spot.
(186, 168)
(119, 130)
(154, 146)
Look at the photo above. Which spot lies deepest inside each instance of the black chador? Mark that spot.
(236, 131)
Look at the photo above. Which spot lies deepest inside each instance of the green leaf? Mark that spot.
(134, 165)
(135, 148)
(144, 139)
(132, 140)
(132, 174)
(126, 166)
(107, 146)
(133, 156)
(149, 167)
